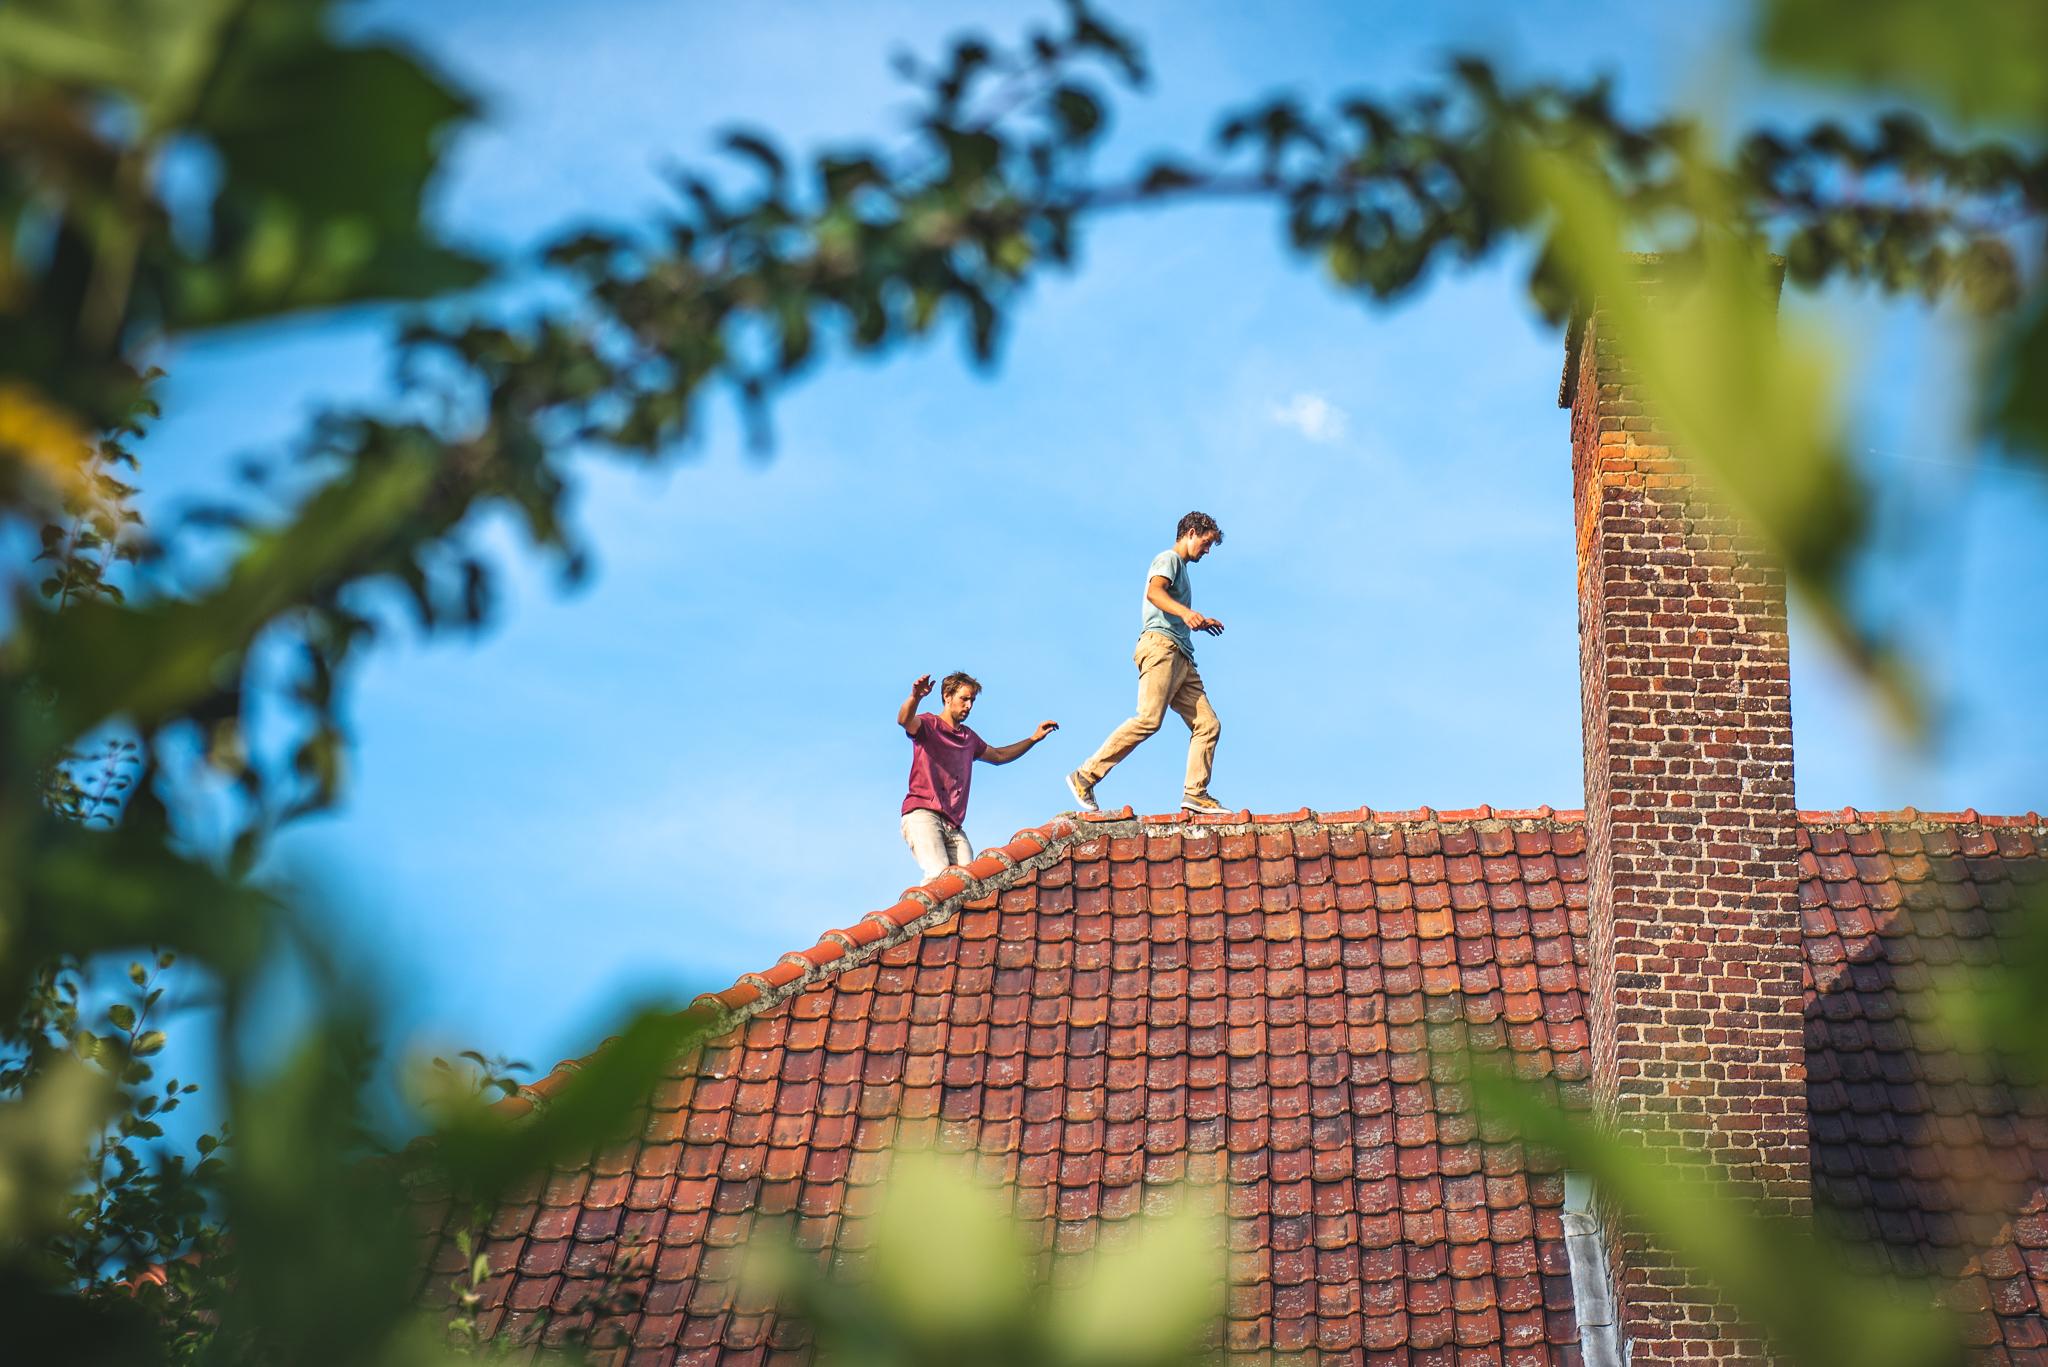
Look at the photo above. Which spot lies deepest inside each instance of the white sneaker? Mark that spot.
(1083, 791)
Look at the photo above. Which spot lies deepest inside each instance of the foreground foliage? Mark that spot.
(119, 700)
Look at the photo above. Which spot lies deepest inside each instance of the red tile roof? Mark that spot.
(1924, 1157)
(1279, 1001)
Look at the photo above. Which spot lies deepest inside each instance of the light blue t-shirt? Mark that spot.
(1169, 566)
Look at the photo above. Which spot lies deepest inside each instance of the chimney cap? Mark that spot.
(1645, 264)
(1646, 267)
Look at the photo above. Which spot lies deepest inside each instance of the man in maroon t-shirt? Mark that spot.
(943, 751)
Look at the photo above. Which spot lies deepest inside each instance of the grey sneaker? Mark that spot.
(1203, 803)
(1083, 791)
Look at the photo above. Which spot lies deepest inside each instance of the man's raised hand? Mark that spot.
(1045, 728)
(922, 689)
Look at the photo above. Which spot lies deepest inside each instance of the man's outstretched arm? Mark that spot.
(1003, 754)
(1158, 597)
(906, 715)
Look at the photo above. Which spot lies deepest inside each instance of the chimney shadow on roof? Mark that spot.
(1928, 1159)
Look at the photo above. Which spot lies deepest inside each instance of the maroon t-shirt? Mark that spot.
(942, 767)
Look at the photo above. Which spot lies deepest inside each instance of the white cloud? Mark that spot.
(1312, 415)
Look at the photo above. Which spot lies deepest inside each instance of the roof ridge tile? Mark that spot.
(859, 935)
(1913, 816)
(918, 909)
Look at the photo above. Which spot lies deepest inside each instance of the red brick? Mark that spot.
(1659, 663)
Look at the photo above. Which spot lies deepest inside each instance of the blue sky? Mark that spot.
(688, 766)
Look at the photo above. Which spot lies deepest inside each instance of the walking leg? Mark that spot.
(1191, 702)
(1156, 659)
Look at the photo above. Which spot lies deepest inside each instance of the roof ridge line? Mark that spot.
(920, 908)
(938, 900)
(1243, 819)
(1913, 816)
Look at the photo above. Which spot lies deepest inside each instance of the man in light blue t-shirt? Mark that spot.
(1166, 672)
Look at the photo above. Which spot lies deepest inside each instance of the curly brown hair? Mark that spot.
(1199, 522)
(956, 681)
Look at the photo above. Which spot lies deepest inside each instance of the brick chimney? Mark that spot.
(1695, 946)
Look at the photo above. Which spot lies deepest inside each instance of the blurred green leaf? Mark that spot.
(1078, 110)
(1980, 59)
(946, 1258)
(299, 1182)
(2014, 398)
(54, 1327)
(90, 892)
(1750, 405)
(156, 54)
(182, 650)
(951, 1274)
(1152, 1293)
(1992, 1013)
(1790, 1284)
(489, 1149)
(318, 208)
(43, 1135)
(324, 148)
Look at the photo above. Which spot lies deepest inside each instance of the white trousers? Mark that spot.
(934, 842)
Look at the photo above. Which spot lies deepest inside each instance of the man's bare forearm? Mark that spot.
(906, 715)
(1158, 597)
(1003, 754)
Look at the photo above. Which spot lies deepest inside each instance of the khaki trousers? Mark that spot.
(1166, 678)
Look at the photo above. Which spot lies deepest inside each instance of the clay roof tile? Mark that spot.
(1110, 1002)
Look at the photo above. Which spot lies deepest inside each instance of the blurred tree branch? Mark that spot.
(316, 155)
